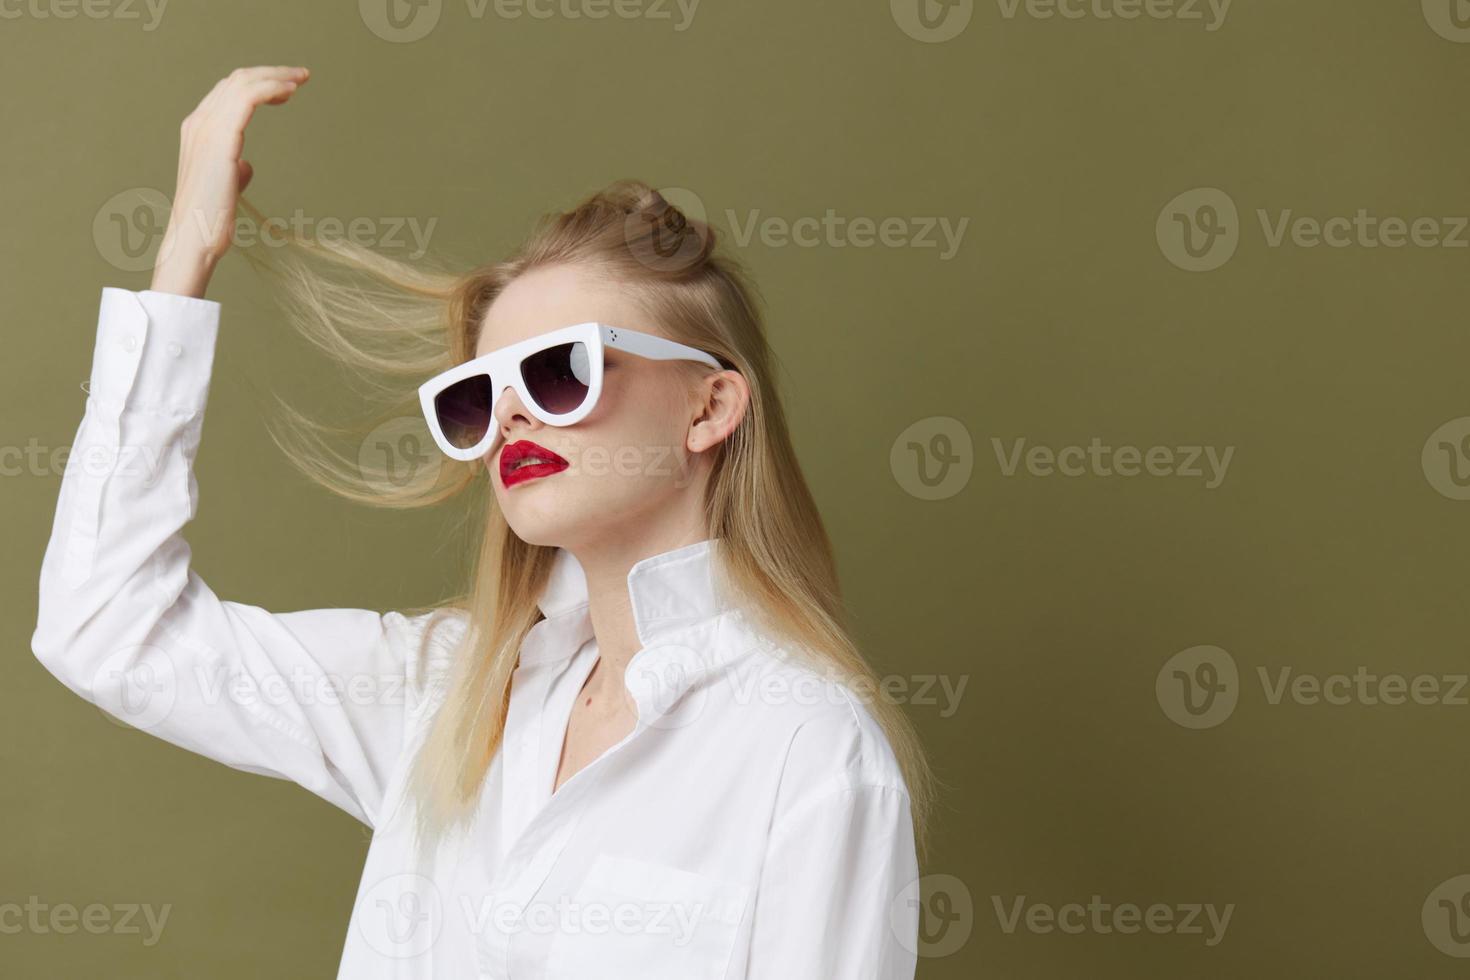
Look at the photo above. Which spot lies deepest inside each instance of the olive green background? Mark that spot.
(1056, 599)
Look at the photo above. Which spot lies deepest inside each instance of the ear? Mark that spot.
(723, 398)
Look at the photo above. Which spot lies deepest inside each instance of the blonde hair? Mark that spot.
(396, 324)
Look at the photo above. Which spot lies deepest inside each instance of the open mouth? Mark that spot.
(524, 460)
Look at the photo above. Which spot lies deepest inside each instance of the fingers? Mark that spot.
(231, 83)
(293, 73)
(234, 98)
(239, 105)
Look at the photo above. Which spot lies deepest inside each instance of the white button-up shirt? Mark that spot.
(754, 824)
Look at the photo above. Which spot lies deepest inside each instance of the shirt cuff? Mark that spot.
(154, 351)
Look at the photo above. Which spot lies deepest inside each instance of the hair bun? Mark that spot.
(657, 208)
(663, 237)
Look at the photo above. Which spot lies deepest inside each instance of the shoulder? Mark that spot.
(826, 715)
(428, 642)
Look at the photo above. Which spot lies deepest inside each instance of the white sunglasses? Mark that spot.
(558, 376)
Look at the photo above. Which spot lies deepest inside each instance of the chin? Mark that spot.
(563, 511)
(549, 521)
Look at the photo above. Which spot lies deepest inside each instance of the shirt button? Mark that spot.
(174, 350)
(130, 342)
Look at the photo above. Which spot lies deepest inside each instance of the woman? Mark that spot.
(640, 744)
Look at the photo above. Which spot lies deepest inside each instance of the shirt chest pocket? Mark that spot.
(636, 920)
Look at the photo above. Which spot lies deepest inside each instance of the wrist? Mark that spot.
(182, 269)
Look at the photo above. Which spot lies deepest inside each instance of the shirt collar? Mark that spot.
(668, 591)
(679, 606)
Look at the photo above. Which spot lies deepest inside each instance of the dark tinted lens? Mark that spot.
(557, 377)
(464, 411)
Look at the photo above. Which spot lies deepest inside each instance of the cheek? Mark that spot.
(637, 441)
(639, 410)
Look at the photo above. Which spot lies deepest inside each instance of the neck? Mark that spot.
(609, 603)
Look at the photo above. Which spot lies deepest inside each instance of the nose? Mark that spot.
(512, 417)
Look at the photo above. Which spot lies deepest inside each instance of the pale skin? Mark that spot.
(640, 460)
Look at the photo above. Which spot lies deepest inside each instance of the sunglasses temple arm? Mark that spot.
(656, 348)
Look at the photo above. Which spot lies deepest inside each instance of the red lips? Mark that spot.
(544, 462)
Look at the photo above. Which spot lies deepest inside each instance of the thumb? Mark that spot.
(246, 171)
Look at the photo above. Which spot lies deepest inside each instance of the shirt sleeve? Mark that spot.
(318, 696)
(831, 901)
